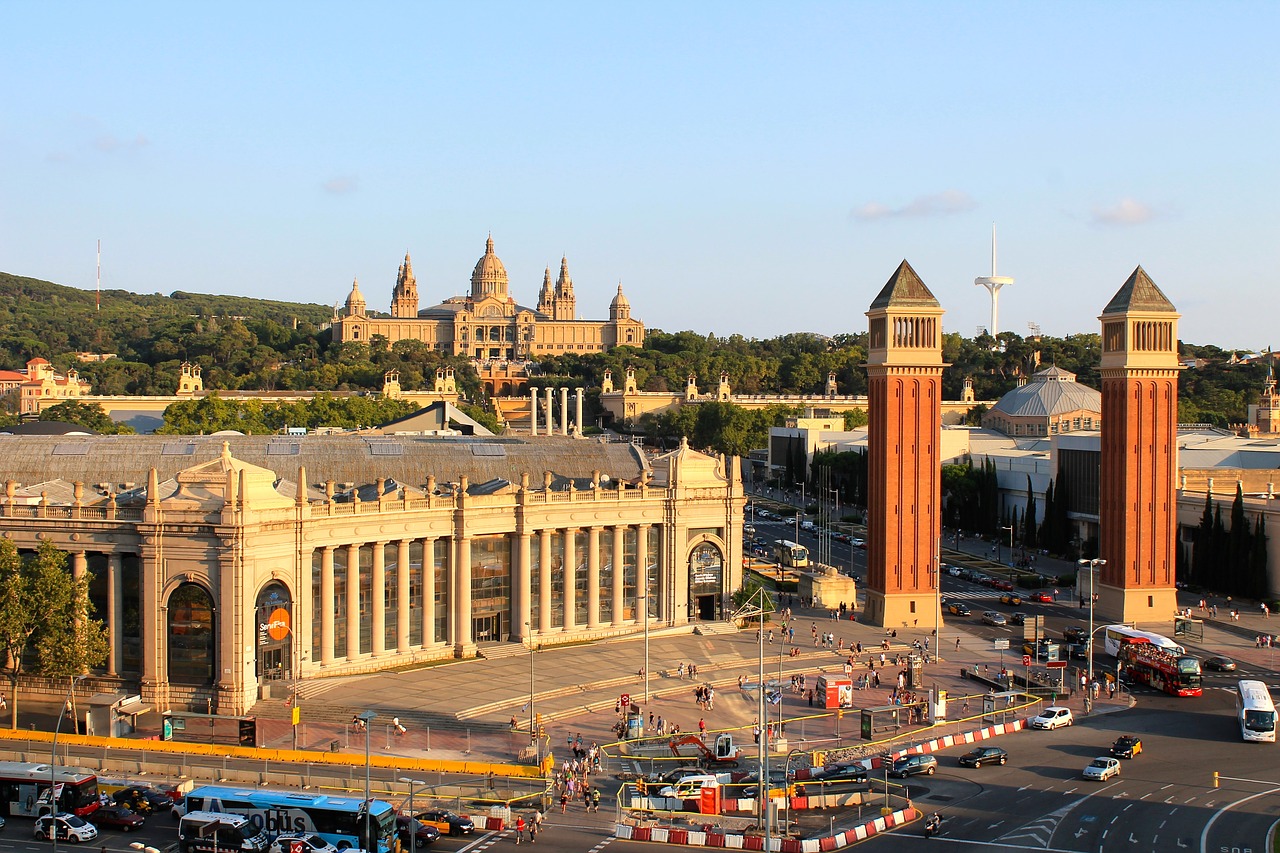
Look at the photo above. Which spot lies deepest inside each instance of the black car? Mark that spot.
(447, 822)
(958, 608)
(844, 773)
(143, 799)
(116, 817)
(1018, 618)
(1074, 633)
(1126, 746)
(1220, 663)
(984, 755)
(422, 835)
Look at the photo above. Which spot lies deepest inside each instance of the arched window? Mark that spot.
(192, 636)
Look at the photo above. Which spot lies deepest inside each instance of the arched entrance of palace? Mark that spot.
(706, 582)
(274, 629)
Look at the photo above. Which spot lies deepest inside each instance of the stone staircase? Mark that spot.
(710, 629)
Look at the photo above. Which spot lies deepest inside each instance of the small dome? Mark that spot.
(490, 276)
(355, 300)
(619, 301)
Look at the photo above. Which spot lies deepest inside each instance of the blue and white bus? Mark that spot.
(1256, 711)
(338, 820)
(1114, 636)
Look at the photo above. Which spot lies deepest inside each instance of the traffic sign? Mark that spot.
(999, 644)
(1056, 664)
(626, 699)
(1026, 660)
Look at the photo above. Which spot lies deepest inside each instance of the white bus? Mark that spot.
(1114, 636)
(1256, 710)
(789, 554)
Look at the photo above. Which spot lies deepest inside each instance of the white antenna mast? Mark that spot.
(98, 298)
(993, 283)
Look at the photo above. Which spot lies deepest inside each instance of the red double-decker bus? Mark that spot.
(24, 788)
(1146, 663)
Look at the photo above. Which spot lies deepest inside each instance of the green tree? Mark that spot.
(1202, 546)
(1239, 538)
(1029, 526)
(1258, 560)
(88, 415)
(73, 642)
(1049, 533)
(855, 419)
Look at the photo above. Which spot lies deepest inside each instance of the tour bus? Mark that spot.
(1147, 663)
(24, 789)
(1114, 636)
(789, 554)
(338, 820)
(1256, 710)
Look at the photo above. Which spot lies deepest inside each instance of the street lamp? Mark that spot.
(367, 717)
(644, 605)
(533, 731)
(413, 784)
(1088, 692)
(53, 764)
(786, 784)
(1010, 529)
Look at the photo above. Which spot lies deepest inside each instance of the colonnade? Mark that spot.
(549, 407)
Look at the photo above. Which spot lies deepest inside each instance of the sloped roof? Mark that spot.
(437, 416)
(904, 287)
(1139, 293)
(1050, 392)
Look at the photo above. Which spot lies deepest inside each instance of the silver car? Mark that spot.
(994, 617)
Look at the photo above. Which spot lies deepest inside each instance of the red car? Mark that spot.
(1003, 586)
(1043, 598)
(116, 817)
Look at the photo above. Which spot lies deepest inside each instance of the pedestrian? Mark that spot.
(535, 825)
(395, 724)
(680, 669)
(357, 722)
(4, 704)
(702, 728)
(564, 801)
(519, 829)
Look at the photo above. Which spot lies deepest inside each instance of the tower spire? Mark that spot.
(993, 283)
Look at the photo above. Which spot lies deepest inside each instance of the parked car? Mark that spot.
(1018, 618)
(958, 608)
(1220, 663)
(844, 773)
(447, 822)
(408, 828)
(300, 842)
(1002, 585)
(842, 537)
(1102, 768)
(1126, 746)
(1074, 633)
(914, 765)
(1011, 598)
(1042, 598)
(994, 617)
(68, 827)
(859, 543)
(984, 755)
(116, 817)
(954, 571)
(143, 799)
(1052, 717)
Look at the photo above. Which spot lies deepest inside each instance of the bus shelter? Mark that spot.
(890, 718)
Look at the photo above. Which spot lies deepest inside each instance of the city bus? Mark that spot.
(24, 789)
(1146, 663)
(338, 820)
(1113, 636)
(790, 555)
(1256, 711)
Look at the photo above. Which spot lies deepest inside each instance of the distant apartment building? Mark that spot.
(38, 386)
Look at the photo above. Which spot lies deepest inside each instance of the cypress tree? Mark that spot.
(1239, 537)
(1258, 560)
(1202, 545)
(1048, 527)
(1029, 520)
(1061, 504)
(1220, 565)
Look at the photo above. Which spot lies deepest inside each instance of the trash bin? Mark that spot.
(635, 727)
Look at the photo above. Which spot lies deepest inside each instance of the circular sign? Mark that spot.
(278, 624)
(626, 699)
(1026, 660)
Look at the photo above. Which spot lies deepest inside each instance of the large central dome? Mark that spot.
(490, 276)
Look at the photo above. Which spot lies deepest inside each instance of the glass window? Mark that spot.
(416, 581)
(630, 575)
(606, 575)
(441, 563)
(557, 580)
(391, 597)
(580, 579)
(340, 601)
(366, 599)
(535, 583)
(131, 577)
(191, 636)
(317, 557)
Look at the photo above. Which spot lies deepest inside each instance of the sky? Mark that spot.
(739, 167)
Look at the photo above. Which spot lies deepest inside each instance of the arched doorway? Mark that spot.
(706, 582)
(274, 627)
(192, 636)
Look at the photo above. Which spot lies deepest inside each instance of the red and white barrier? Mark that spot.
(740, 841)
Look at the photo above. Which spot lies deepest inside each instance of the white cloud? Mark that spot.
(1127, 211)
(944, 203)
(109, 143)
(340, 185)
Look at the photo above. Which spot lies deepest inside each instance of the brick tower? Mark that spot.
(904, 468)
(1137, 510)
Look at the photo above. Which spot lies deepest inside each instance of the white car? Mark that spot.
(68, 827)
(1102, 768)
(1053, 717)
(292, 842)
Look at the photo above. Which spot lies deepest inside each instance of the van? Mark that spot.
(689, 787)
(219, 832)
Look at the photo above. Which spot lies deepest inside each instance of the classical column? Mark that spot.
(533, 411)
(564, 411)
(522, 581)
(379, 598)
(570, 574)
(642, 570)
(429, 592)
(327, 605)
(79, 565)
(577, 424)
(353, 601)
(619, 573)
(544, 582)
(460, 592)
(115, 613)
(593, 577)
(550, 410)
(402, 597)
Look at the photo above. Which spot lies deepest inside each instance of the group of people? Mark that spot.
(704, 696)
(532, 826)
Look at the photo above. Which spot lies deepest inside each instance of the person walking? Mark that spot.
(519, 829)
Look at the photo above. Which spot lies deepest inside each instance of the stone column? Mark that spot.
(115, 613)
(429, 592)
(533, 411)
(550, 410)
(402, 597)
(577, 428)
(522, 581)
(593, 577)
(619, 573)
(642, 570)
(570, 574)
(327, 606)
(544, 582)
(353, 601)
(564, 411)
(460, 592)
(79, 565)
(379, 603)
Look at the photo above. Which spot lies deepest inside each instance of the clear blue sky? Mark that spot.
(740, 167)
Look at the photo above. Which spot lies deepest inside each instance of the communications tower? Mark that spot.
(993, 283)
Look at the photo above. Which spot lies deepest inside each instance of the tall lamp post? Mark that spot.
(1088, 692)
(1010, 529)
(533, 731)
(53, 764)
(367, 717)
(414, 785)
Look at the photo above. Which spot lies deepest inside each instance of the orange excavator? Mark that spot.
(722, 755)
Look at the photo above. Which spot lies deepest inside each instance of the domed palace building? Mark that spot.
(487, 324)
(1053, 402)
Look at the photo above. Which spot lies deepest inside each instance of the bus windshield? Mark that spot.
(1260, 721)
